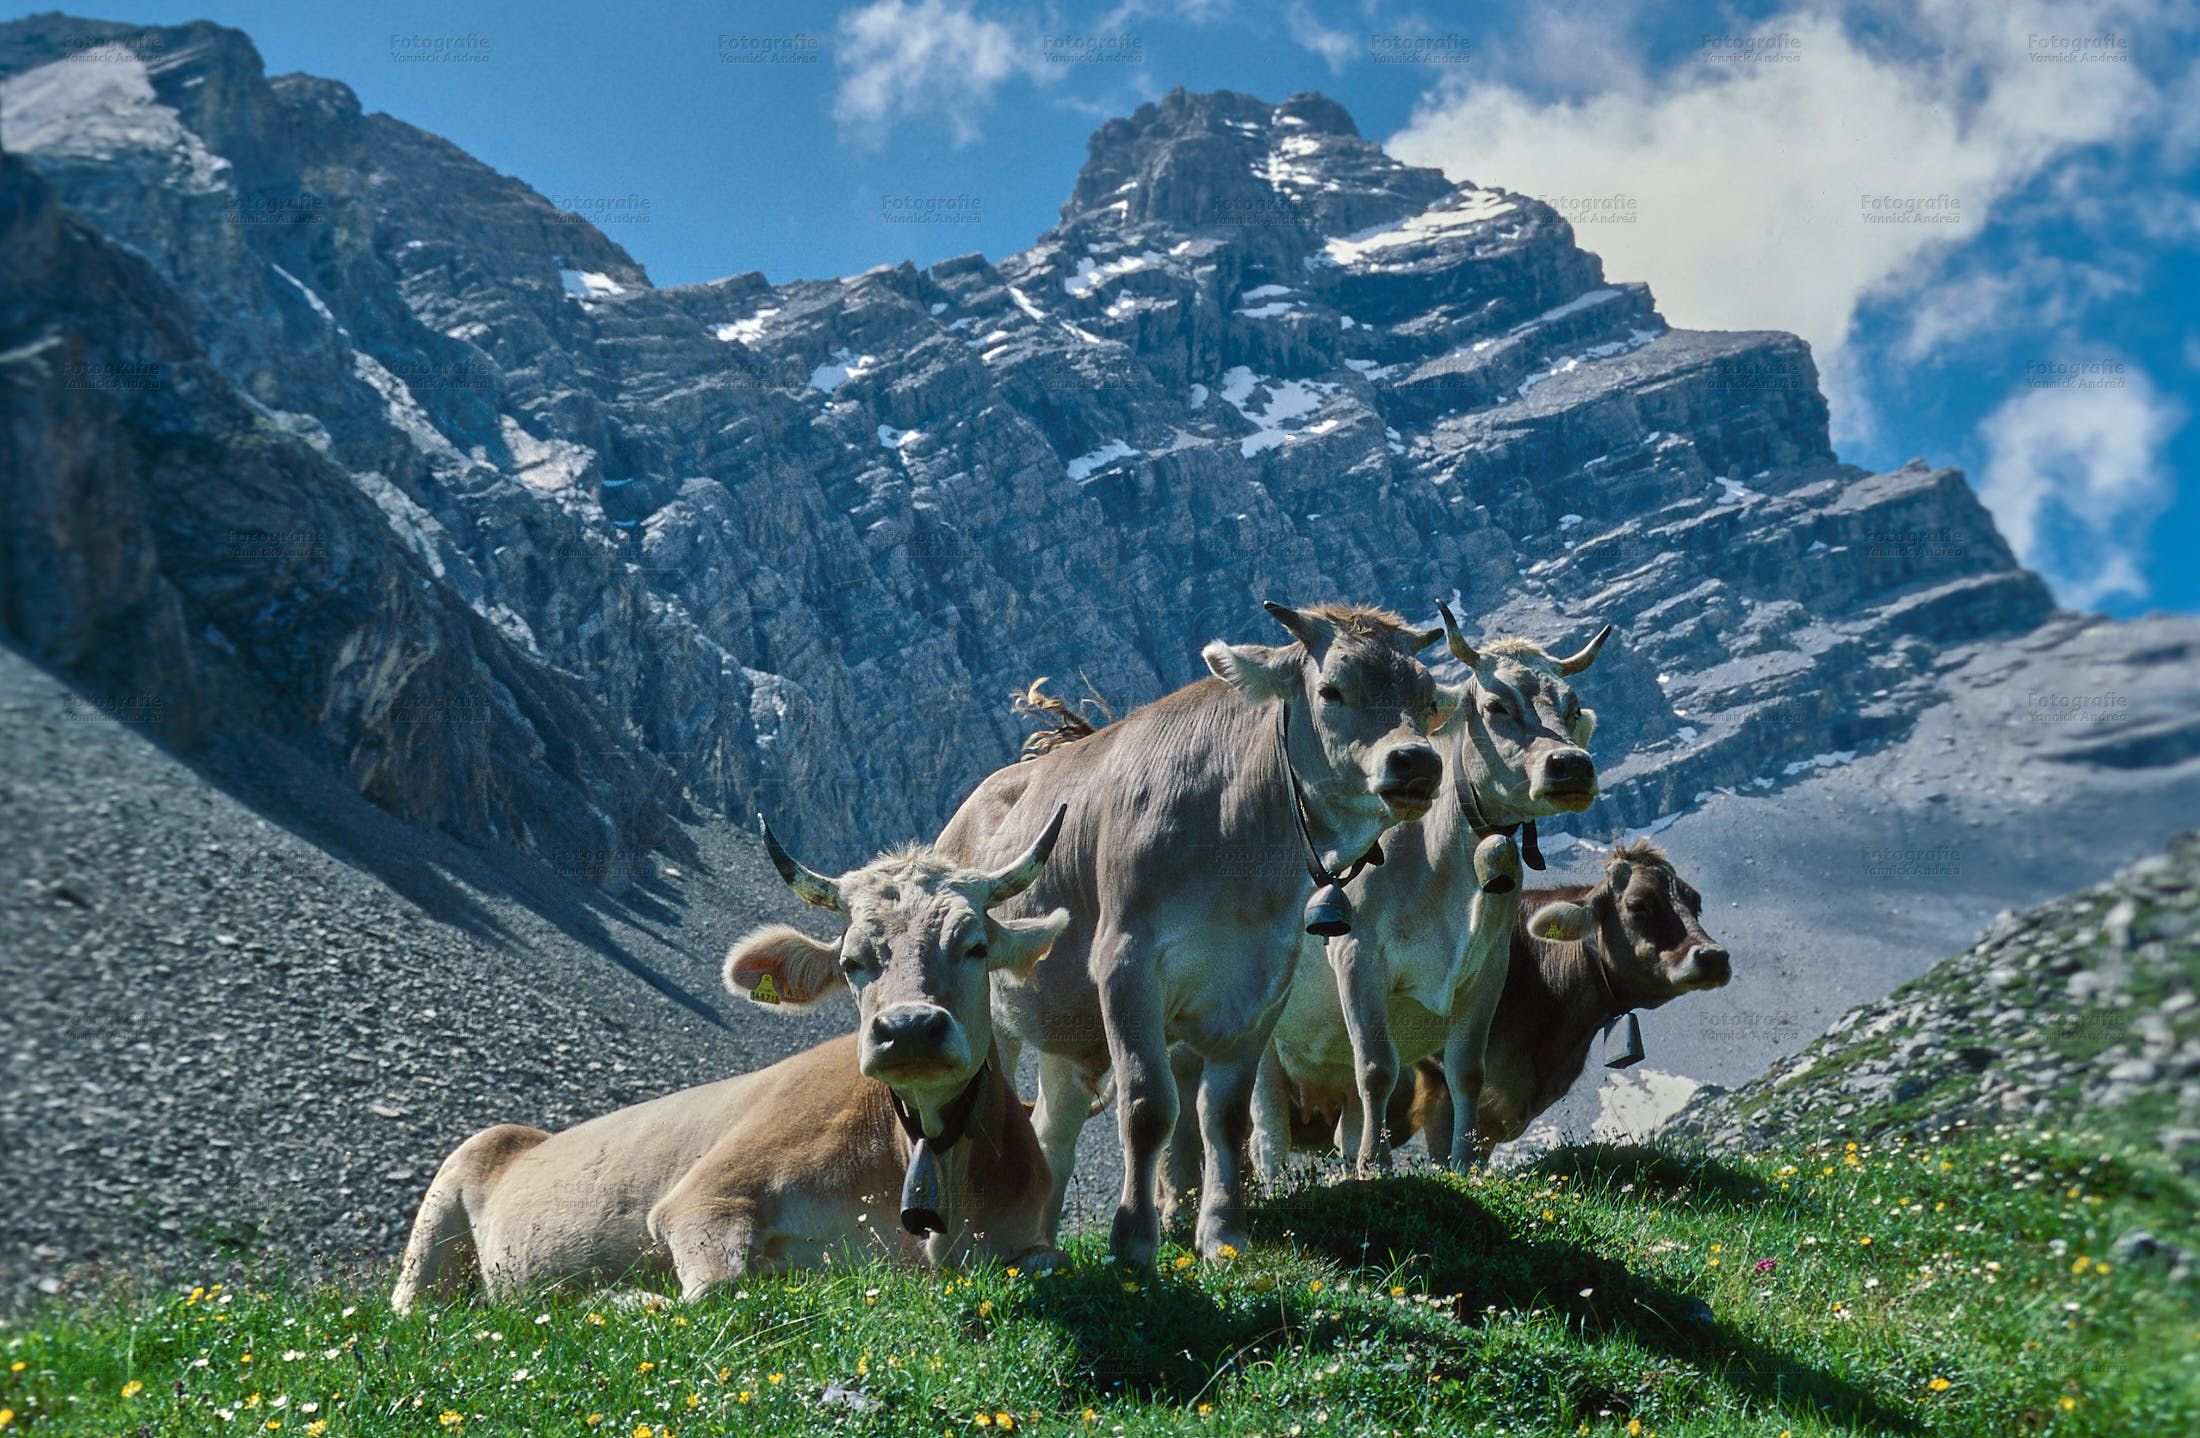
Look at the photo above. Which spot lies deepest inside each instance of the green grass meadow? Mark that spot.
(1962, 1287)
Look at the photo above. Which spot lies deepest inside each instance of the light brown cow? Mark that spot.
(783, 1167)
(1185, 869)
(1585, 956)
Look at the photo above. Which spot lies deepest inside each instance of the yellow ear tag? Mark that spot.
(1552, 932)
(765, 992)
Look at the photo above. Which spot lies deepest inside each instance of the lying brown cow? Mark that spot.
(1584, 956)
(778, 1169)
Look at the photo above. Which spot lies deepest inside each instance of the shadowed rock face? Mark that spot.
(794, 544)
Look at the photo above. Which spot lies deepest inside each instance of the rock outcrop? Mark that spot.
(2079, 1012)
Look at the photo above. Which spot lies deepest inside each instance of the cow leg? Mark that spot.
(1180, 1170)
(1363, 986)
(1226, 1087)
(1463, 1069)
(1058, 1118)
(1346, 1135)
(1145, 1094)
(1432, 1111)
(711, 1239)
(1271, 1113)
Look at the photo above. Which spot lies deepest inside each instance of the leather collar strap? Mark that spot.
(1315, 868)
(954, 1119)
(1622, 1031)
(1470, 806)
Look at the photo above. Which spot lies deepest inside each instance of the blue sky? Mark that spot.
(1984, 216)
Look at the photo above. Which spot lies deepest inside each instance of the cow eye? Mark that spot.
(976, 951)
(1332, 693)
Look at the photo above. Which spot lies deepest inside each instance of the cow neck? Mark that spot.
(1575, 1020)
(1478, 820)
(1315, 868)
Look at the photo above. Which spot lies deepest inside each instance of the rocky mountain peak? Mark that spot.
(1231, 161)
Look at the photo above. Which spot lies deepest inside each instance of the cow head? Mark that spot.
(1353, 682)
(918, 950)
(1520, 736)
(1645, 922)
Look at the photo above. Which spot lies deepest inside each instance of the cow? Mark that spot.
(1423, 966)
(784, 1167)
(1585, 956)
(1197, 822)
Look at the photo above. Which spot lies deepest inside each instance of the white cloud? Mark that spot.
(934, 58)
(1335, 47)
(2075, 476)
(1751, 177)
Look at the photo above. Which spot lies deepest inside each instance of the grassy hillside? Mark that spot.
(1965, 1287)
(1969, 1210)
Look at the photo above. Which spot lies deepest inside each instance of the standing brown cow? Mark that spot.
(1587, 954)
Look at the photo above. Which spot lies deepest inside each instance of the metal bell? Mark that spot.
(1623, 1042)
(920, 1192)
(1329, 912)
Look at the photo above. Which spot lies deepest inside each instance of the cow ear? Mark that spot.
(1258, 671)
(1585, 727)
(1454, 706)
(777, 965)
(1563, 921)
(1017, 945)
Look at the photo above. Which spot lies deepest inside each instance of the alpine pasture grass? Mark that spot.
(1964, 1286)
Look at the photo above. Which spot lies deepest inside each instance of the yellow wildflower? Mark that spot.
(132, 1388)
(1226, 1251)
(1183, 1261)
(597, 1319)
(1940, 1385)
(695, 1400)
(985, 1308)
(451, 1418)
(775, 1379)
(644, 1366)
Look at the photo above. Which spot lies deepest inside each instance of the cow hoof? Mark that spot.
(1042, 1260)
(1135, 1239)
(1224, 1244)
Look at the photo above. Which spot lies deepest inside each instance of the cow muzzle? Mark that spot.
(915, 1042)
(1708, 966)
(1567, 780)
(1412, 774)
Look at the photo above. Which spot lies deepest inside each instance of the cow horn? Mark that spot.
(1311, 630)
(1454, 640)
(1018, 876)
(809, 886)
(1574, 664)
